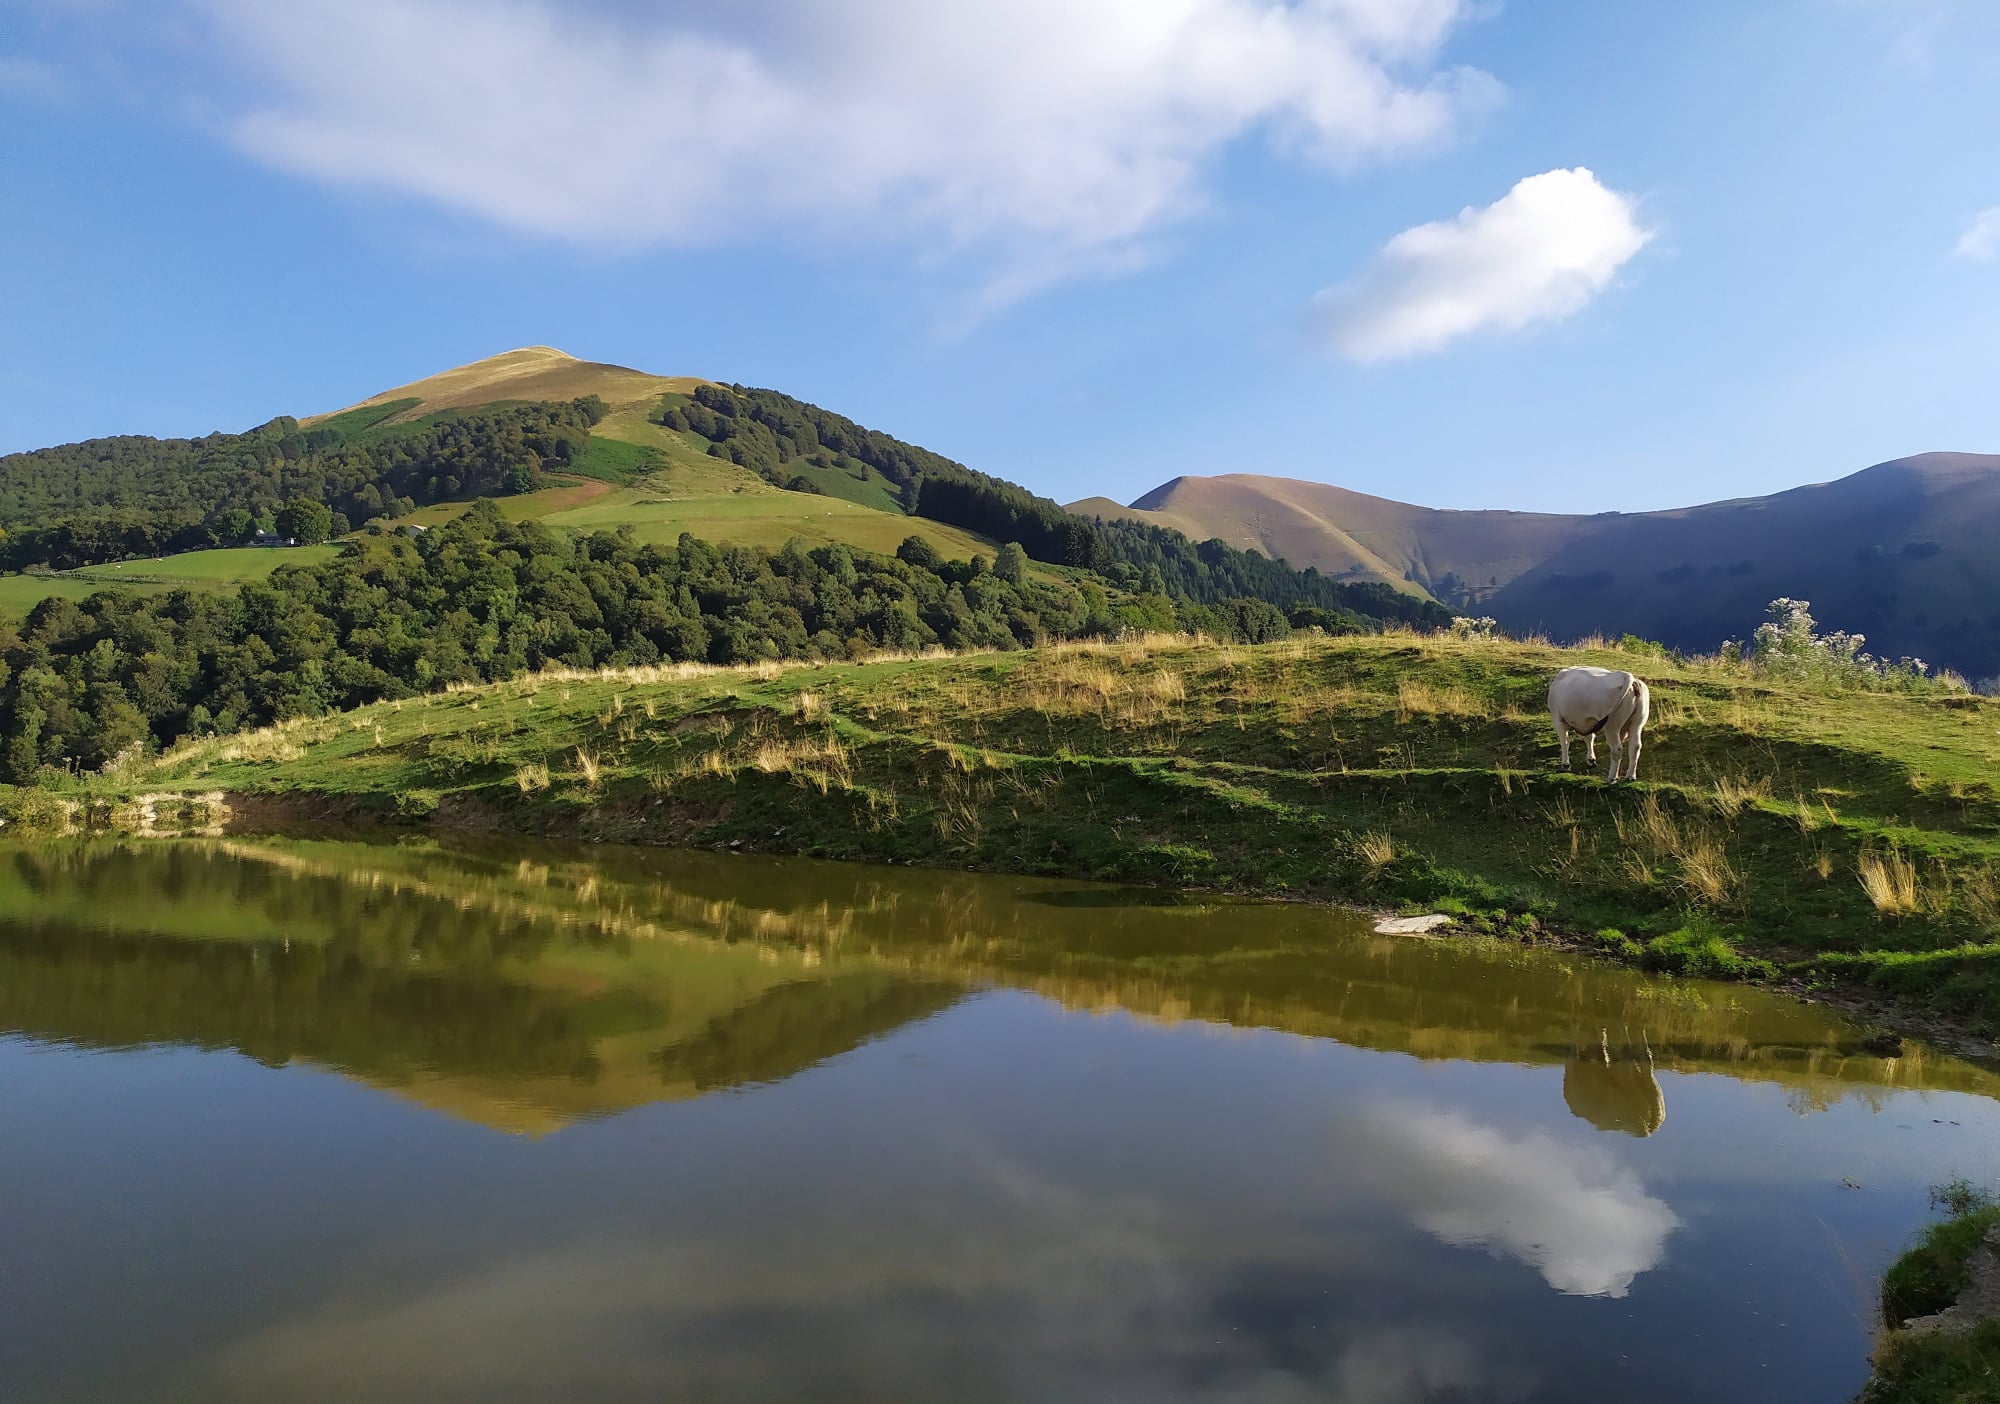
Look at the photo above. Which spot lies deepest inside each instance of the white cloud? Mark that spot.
(1538, 254)
(1982, 236)
(1051, 133)
(1570, 1212)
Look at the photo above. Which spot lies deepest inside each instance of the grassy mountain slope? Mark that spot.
(1351, 534)
(1900, 551)
(1384, 769)
(527, 374)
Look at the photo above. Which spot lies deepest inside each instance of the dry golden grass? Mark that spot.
(532, 776)
(819, 761)
(1732, 793)
(1704, 869)
(1420, 699)
(1890, 881)
(588, 766)
(1377, 850)
(529, 373)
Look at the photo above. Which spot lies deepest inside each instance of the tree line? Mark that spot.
(116, 498)
(483, 599)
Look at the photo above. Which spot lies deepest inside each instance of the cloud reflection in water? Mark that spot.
(1571, 1212)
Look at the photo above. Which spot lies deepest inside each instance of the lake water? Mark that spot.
(322, 1120)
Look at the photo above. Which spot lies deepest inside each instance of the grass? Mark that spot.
(1396, 771)
(228, 565)
(192, 570)
(360, 419)
(1938, 1368)
(614, 461)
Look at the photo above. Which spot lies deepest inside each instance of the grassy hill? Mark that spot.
(664, 482)
(528, 374)
(1846, 837)
(1900, 551)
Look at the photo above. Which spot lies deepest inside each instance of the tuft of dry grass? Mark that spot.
(1705, 871)
(1733, 793)
(1378, 850)
(532, 776)
(1890, 880)
(821, 761)
(588, 766)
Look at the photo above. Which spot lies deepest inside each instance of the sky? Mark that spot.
(1545, 254)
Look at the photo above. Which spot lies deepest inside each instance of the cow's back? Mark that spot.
(1581, 689)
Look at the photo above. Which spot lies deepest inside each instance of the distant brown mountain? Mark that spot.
(1907, 552)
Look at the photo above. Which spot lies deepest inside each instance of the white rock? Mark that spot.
(1411, 926)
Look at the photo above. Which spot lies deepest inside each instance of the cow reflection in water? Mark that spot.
(1612, 1086)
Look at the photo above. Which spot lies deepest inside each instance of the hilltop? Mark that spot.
(1900, 551)
(527, 374)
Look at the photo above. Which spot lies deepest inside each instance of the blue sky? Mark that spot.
(1559, 255)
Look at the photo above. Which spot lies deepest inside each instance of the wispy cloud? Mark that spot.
(1539, 254)
(1042, 135)
(1981, 238)
(32, 80)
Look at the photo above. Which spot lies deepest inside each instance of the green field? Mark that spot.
(1396, 771)
(193, 570)
(228, 565)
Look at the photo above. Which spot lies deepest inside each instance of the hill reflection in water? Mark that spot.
(526, 988)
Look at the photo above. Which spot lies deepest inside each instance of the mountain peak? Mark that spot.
(527, 373)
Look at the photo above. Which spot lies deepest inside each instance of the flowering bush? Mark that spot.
(1788, 645)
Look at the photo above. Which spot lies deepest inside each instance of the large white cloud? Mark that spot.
(1571, 1212)
(1538, 254)
(1982, 235)
(1051, 132)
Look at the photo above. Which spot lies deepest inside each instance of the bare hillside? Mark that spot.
(1903, 552)
(530, 373)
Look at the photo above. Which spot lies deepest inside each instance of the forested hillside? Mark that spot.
(484, 599)
(779, 437)
(112, 499)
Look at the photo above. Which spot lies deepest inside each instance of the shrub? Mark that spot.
(1702, 949)
(1789, 645)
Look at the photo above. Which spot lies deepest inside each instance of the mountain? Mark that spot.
(1901, 552)
(531, 373)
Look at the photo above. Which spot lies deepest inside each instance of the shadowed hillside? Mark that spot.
(1899, 552)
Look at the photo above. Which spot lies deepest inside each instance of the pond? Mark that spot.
(322, 1119)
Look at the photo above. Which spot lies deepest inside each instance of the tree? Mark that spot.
(920, 553)
(1011, 565)
(306, 521)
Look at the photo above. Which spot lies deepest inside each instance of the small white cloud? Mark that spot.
(1538, 254)
(1982, 236)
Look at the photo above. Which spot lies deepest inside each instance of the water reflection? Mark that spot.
(1615, 1090)
(874, 1140)
(526, 989)
(1571, 1212)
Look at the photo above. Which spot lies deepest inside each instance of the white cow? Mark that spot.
(1589, 700)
